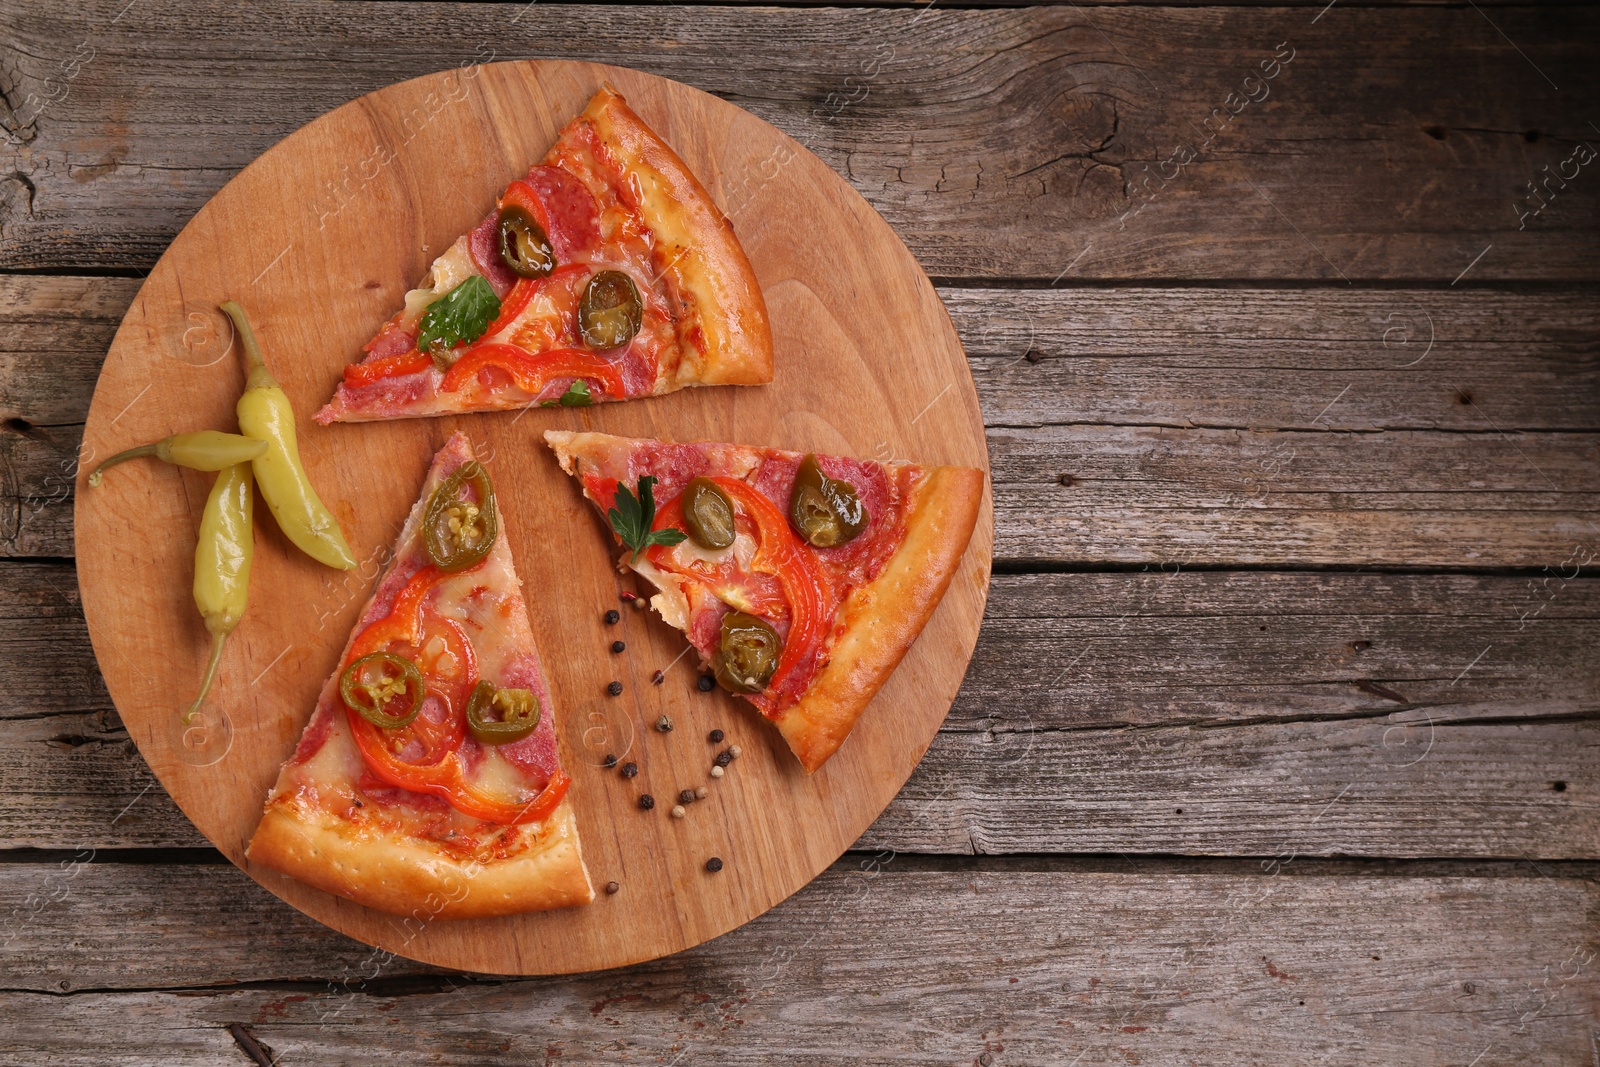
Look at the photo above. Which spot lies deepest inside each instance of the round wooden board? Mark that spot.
(319, 239)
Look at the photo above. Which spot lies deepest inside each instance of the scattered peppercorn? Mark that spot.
(611, 760)
(646, 801)
(630, 769)
(664, 724)
(707, 683)
(714, 864)
(611, 888)
(678, 811)
(716, 770)
(716, 737)
(615, 689)
(699, 792)
(686, 796)
(612, 618)
(658, 677)
(724, 757)
(735, 751)
(618, 646)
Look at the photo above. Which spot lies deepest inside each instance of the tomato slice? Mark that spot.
(533, 371)
(425, 757)
(757, 593)
(357, 375)
(779, 553)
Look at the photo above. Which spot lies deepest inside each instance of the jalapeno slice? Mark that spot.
(610, 312)
(825, 510)
(518, 710)
(458, 533)
(373, 682)
(708, 514)
(524, 246)
(748, 653)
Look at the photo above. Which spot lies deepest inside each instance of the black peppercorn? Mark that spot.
(630, 769)
(686, 796)
(611, 760)
(618, 646)
(716, 736)
(615, 689)
(613, 617)
(612, 887)
(646, 801)
(724, 758)
(707, 683)
(714, 864)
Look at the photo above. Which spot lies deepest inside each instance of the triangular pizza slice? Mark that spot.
(428, 777)
(801, 580)
(606, 273)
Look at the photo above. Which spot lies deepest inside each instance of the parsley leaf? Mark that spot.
(576, 396)
(462, 314)
(632, 518)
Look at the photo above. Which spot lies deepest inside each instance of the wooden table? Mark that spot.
(1282, 740)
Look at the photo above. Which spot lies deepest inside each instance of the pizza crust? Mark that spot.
(881, 620)
(725, 335)
(403, 876)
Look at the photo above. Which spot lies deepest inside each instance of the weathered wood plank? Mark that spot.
(875, 965)
(1335, 360)
(1098, 494)
(1033, 142)
(1096, 707)
(1165, 647)
(44, 643)
(1386, 786)
(1342, 788)
(1167, 465)
(1412, 358)
(1070, 651)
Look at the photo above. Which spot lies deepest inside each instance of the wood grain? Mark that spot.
(1441, 710)
(1037, 142)
(1376, 786)
(869, 366)
(1249, 967)
(1162, 647)
(1398, 452)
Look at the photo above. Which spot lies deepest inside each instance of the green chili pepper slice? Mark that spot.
(368, 696)
(458, 533)
(708, 514)
(748, 653)
(524, 248)
(825, 510)
(518, 708)
(610, 311)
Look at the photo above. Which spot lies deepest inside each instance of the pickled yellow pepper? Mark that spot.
(206, 450)
(265, 414)
(222, 565)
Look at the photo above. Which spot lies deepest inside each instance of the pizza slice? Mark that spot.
(428, 777)
(607, 273)
(802, 580)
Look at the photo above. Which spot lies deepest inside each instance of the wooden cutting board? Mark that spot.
(319, 239)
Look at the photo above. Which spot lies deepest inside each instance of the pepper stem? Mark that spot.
(217, 639)
(260, 377)
(151, 449)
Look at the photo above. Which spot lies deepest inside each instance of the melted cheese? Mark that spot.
(447, 272)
